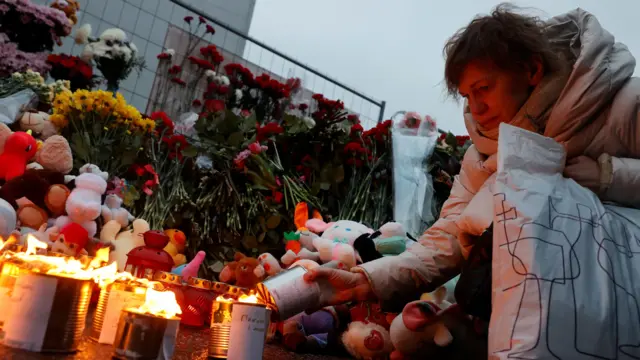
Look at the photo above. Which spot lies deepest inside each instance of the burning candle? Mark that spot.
(220, 327)
(149, 331)
(249, 323)
(113, 299)
(52, 295)
(52, 313)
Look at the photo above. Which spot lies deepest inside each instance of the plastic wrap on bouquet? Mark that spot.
(413, 144)
(565, 267)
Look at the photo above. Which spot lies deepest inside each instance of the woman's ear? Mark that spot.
(535, 71)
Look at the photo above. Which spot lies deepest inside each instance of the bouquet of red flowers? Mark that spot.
(72, 68)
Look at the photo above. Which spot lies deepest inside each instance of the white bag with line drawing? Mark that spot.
(566, 268)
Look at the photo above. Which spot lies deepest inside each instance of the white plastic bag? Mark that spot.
(12, 105)
(413, 189)
(566, 268)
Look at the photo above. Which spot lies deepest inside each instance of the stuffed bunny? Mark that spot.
(84, 204)
(124, 241)
(337, 240)
(113, 210)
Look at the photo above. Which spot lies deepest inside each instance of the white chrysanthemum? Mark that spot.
(309, 122)
(17, 76)
(170, 52)
(113, 34)
(83, 34)
(87, 52)
(134, 48)
(223, 80)
(238, 95)
(210, 74)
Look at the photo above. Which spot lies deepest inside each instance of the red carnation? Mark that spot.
(188, 19)
(202, 20)
(214, 105)
(178, 81)
(210, 29)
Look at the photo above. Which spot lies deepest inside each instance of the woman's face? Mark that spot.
(495, 95)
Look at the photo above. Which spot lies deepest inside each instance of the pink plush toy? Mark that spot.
(84, 204)
(269, 264)
(191, 269)
(423, 326)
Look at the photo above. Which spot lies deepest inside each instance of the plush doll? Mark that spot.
(176, 245)
(295, 251)
(337, 239)
(18, 149)
(270, 264)
(314, 332)
(367, 336)
(191, 269)
(72, 240)
(84, 204)
(93, 169)
(423, 330)
(113, 210)
(47, 235)
(390, 240)
(443, 296)
(69, 8)
(8, 219)
(244, 272)
(123, 242)
(38, 122)
(33, 185)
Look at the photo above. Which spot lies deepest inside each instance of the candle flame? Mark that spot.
(159, 303)
(33, 244)
(223, 299)
(249, 299)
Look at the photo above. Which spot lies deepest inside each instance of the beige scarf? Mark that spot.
(532, 116)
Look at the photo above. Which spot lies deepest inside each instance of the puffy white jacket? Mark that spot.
(591, 109)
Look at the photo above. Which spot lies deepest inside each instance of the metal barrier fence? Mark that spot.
(154, 25)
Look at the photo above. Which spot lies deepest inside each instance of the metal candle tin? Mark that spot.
(288, 294)
(50, 313)
(196, 309)
(229, 291)
(249, 323)
(220, 329)
(113, 299)
(145, 336)
(8, 274)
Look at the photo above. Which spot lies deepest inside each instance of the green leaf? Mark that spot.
(338, 174)
(81, 148)
(190, 152)
(236, 139)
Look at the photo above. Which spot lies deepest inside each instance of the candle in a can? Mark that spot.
(288, 294)
(113, 299)
(196, 310)
(249, 324)
(52, 314)
(220, 328)
(8, 275)
(145, 336)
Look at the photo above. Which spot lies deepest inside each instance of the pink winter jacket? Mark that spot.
(592, 109)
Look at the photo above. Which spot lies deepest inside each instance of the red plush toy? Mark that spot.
(19, 148)
(72, 240)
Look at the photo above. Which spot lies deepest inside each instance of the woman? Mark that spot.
(567, 79)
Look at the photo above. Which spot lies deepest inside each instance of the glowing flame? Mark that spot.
(223, 299)
(33, 244)
(159, 303)
(249, 299)
(11, 240)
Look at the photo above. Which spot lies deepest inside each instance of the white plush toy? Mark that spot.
(84, 204)
(8, 219)
(125, 241)
(94, 169)
(113, 210)
(337, 239)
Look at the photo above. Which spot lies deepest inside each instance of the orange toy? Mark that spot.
(19, 148)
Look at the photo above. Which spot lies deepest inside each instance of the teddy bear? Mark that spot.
(69, 8)
(84, 204)
(112, 210)
(93, 169)
(123, 242)
(52, 154)
(38, 122)
(244, 272)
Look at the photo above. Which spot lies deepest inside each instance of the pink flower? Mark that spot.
(256, 148)
(241, 157)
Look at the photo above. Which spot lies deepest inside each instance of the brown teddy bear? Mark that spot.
(69, 8)
(244, 272)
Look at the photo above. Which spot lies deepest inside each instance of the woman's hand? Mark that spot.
(585, 171)
(344, 286)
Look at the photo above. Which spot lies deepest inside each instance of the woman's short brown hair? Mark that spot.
(508, 39)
